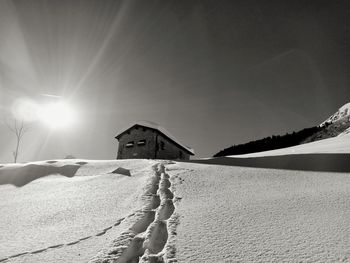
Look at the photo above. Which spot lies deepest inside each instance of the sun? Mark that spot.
(57, 115)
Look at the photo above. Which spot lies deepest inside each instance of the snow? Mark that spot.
(339, 144)
(347, 131)
(235, 214)
(56, 210)
(164, 211)
(150, 236)
(341, 113)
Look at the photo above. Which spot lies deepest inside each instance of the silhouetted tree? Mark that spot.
(19, 128)
(271, 143)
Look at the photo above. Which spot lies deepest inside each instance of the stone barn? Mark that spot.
(147, 140)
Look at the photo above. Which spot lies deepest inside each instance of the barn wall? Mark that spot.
(152, 149)
(170, 151)
(146, 151)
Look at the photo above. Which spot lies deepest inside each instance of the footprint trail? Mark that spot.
(147, 240)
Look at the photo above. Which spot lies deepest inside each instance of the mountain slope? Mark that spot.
(336, 145)
(271, 143)
(337, 124)
(343, 112)
(347, 131)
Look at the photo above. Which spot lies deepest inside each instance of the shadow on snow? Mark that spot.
(325, 162)
(20, 176)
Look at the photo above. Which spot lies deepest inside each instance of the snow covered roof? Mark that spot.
(155, 126)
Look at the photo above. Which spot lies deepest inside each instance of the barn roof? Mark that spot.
(155, 126)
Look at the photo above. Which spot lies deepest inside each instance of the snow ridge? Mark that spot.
(341, 113)
(347, 131)
(150, 237)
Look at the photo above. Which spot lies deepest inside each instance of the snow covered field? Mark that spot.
(236, 214)
(172, 212)
(58, 211)
(339, 144)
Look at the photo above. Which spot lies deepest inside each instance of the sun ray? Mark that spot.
(99, 54)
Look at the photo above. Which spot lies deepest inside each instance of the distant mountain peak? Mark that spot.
(336, 125)
(343, 111)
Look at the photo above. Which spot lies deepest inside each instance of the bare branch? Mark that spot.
(9, 126)
(27, 128)
(16, 129)
(19, 128)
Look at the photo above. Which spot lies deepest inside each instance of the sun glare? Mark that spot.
(25, 109)
(57, 115)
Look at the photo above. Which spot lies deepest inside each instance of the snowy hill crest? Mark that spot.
(347, 131)
(343, 111)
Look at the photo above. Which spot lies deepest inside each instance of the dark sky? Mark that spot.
(214, 73)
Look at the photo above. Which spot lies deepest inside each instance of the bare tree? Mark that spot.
(19, 128)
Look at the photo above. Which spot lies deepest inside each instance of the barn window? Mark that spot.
(180, 155)
(162, 145)
(141, 142)
(129, 144)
